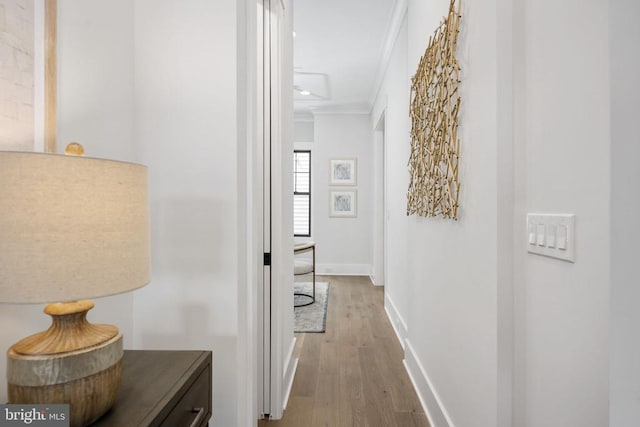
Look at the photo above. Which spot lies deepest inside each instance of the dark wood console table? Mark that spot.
(162, 388)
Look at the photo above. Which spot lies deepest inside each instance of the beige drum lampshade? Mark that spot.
(71, 227)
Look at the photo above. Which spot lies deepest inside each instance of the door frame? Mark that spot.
(248, 202)
(250, 134)
(380, 225)
(251, 192)
(274, 156)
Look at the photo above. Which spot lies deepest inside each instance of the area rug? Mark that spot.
(313, 317)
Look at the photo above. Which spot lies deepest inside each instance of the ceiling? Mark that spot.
(338, 47)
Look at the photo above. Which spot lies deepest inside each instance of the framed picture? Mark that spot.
(28, 86)
(342, 172)
(342, 203)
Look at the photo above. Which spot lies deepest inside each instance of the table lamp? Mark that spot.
(70, 228)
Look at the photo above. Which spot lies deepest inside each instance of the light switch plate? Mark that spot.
(558, 240)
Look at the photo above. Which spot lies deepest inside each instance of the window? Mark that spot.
(302, 193)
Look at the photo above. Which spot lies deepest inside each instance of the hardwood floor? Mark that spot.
(352, 375)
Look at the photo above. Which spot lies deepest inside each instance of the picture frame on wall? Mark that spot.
(46, 12)
(28, 101)
(343, 203)
(343, 171)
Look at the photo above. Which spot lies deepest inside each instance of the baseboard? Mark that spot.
(397, 322)
(373, 281)
(343, 269)
(372, 278)
(431, 402)
(291, 365)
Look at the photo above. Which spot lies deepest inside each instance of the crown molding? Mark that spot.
(338, 111)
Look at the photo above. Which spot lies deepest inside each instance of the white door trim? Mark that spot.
(379, 270)
(250, 210)
(276, 290)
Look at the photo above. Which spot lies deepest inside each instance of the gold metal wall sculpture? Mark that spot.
(434, 187)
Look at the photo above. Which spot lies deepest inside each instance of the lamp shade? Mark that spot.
(71, 227)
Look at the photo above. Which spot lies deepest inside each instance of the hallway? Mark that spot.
(352, 375)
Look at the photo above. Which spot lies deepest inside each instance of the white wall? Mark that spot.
(533, 139)
(105, 128)
(624, 340)
(562, 155)
(95, 78)
(144, 82)
(303, 130)
(343, 245)
(185, 77)
(441, 289)
(393, 101)
(453, 265)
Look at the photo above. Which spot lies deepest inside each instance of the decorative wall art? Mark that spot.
(434, 187)
(342, 172)
(342, 203)
(28, 75)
